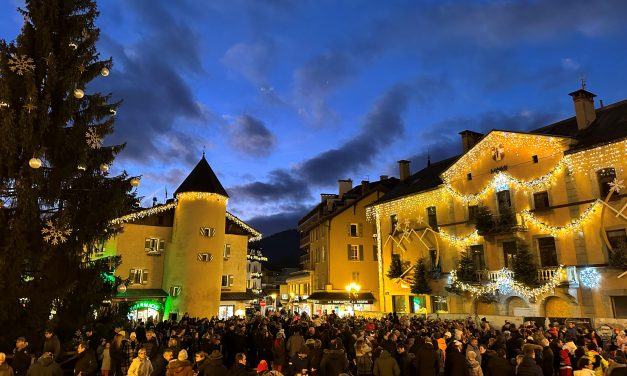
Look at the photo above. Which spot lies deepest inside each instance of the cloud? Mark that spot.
(250, 136)
(281, 186)
(271, 224)
(252, 60)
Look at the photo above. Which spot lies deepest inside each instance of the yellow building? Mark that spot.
(341, 248)
(555, 190)
(187, 256)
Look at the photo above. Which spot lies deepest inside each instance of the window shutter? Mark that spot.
(348, 247)
(145, 277)
(147, 243)
(348, 229)
(230, 280)
(161, 245)
(361, 252)
(375, 255)
(131, 276)
(360, 230)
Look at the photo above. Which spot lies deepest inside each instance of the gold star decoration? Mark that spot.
(30, 106)
(81, 68)
(48, 59)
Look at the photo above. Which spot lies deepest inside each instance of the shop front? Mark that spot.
(324, 302)
(145, 304)
(237, 304)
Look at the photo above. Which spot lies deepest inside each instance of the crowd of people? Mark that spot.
(327, 345)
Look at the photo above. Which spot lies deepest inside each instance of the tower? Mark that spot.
(194, 260)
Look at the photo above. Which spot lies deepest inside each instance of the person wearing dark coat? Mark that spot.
(386, 365)
(21, 357)
(426, 361)
(547, 358)
(52, 344)
(5, 369)
(299, 362)
(180, 366)
(334, 360)
(404, 360)
(455, 364)
(87, 364)
(528, 367)
(160, 365)
(215, 367)
(200, 363)
(45, 366)
(239, 367)
(498, 365)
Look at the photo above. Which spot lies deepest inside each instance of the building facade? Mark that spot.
(554, 194)
(186, 256)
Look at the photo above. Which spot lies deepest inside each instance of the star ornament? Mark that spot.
(616, 185)
(30, 106)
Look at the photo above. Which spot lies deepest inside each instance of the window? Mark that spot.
(440, 305)
(356, 277)
(620, 306)
(154, 245)
(604, 177)
(98, 247)
(546, 249)
(354, 230)
(472, 212)
(393, 222)
(322, 254)
(355, 252)
(227, 251)
(617, 238)
(476, 251)
(375, 253)
(433, 257)
(138, 276)
(503, 200)
(509, 253)
(541, 200)
(227, 280)
(204, 257)
(433, 218)
(207, 231)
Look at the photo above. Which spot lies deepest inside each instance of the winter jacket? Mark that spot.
(585, 372)
(21, 361)
(427, 361)
(456, 364)
(52, 345)
(617, 369)
(528, 367)
(159, 366)
(474, 368)
(179, 368)
(386, 365)
(364, 364)
(296, 364)
(215, 368)
(294, 343)
(279, 352)
(499, 367)
(45, 366)
(238, 369)
(140, 367)
(87, 365)
(547, 361)
(600, 364)
(333, 362)
(5, 369)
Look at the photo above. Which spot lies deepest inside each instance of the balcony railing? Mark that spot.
(304, 240)
(500, 224)
(568, 275)
(304, 262)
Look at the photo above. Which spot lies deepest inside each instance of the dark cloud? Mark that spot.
(156, 96)
(250, 136)
(271, 224)
(281, 186)
(252, 60)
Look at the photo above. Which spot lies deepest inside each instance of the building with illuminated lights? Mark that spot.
(189, 255)
(340, 248)
(557, 190)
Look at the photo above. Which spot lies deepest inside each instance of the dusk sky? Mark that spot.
(288, 96)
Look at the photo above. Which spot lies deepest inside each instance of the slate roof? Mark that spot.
(202, 179)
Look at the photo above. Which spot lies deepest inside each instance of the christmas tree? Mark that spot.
(466, 272)
(420, 284)
(56, 196)
(524, 266)
(397, 267)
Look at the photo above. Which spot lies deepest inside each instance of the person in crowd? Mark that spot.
(295, 343)
(528, 365)
(363, 358)
(456, 361)
(21, 357)
(498, 365)
(585, 368)
(45, 366)
(215, 366)
(474, 367)
(151, 345)
(87, 364)
(5, 369)
(279, 353)
(334, 360)
(599, 363)
(299, 364)
(427, 361)
(141, 365)
(181, 366)
(386, 365)
(200, 363)
(51, 344)
(617, 367)
(160, 364)
(105, 359)
(239, 368)
(117, 352)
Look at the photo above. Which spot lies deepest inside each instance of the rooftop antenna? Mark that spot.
(166, 193)
(428, 158)
(583, 82)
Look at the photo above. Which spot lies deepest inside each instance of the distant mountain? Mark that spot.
(282, 249)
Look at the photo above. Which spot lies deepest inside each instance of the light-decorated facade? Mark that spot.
(557, 190)
(189, 255)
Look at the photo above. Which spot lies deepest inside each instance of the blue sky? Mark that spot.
(288, 96)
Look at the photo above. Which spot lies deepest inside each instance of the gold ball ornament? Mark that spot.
(135, 182)
(104, 72)
(104, 168)
(34, 162)
(78, 93)
(81, 167)
(121, 288)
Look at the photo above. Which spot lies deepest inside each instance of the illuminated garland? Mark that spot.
(559, 230)
(418, 200)
(460, 241)
(550, 144)
(143, 213)
(598, 158)
(256, 234)
(506, 285)
(201, 196)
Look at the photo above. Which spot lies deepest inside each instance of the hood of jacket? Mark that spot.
(178, 365)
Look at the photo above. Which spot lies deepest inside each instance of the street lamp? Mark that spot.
(353, 294)
(273, 295)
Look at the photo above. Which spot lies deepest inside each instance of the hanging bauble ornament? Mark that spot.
(73, 46)
(113, 112)
(81, 167)
(121, 288)
(34, 162)
(104, 71)
(104, 168)
(135, 182)
(78, 93)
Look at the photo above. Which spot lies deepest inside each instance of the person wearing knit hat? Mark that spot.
(181, 366)
(182, 355)
(262, 367)
(215, 365)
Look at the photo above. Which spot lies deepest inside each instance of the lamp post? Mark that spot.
(353, 294)
(273, 295)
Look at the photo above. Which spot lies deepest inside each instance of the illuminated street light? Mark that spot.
(353, 294)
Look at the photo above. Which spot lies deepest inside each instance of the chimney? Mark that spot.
(345, 185)
(403, 167)
(383, 177)
(364, 186)
(584, 107)
(469, 139)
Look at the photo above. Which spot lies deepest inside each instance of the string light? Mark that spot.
(460, 241)
(556, 231)
(589, 277)
(504, 279)
(201, 196)
(600, 157)
(256, 235)
(143, 213)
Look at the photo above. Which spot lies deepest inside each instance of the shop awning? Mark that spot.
(142, 294)
(239, 296)
(337, 297)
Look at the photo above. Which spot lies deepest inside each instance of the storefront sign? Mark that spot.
(150, 304)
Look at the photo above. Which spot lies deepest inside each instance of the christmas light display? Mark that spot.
(590, 278)
(201, 196)
(556, 231)
(143, 213)
(595, 159)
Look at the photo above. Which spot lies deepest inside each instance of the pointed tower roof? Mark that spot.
(201, 179)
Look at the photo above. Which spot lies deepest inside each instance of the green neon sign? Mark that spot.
(151, 304)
